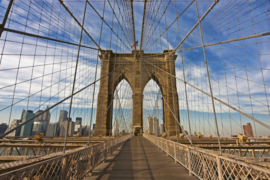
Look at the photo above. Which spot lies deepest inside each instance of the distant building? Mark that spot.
(26, 129)
(47, 115)
(41, 122)
(156, 126)
(63, 128)
(94, 126)
(248, 130)
(85, 130)
(3, 128)
(63, 115)
(52, 130)
(23, 111)
(77, 128)
(37, 128)
(78, 120)
(161, 128)
(12, 125)
(40, 117)
(150, 125)
(116, 127)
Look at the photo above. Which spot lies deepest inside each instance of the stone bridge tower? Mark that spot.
(137, 70)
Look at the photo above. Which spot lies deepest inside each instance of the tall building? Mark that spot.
(78, 120)
(248, 130)
(156, 126)
(161, 128)
(12, 125)
(85, 130)
(3, 128)
(78, 125)
(63, 127)
(150, 125)
(47, 115)
(116, 127)
(26, 129)
(37, 128)
(77, 128)
(40, 117)
(23, 111)
(94, 126)
(52, 130)
(63, 115)
(41, 122)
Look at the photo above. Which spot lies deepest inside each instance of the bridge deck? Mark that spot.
(139, 159)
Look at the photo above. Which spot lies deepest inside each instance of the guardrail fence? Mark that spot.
(71, 165)
(207, 164)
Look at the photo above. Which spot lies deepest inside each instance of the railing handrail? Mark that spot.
(216, 163)
(69, 153)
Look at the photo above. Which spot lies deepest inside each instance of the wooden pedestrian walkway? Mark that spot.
(139, 159)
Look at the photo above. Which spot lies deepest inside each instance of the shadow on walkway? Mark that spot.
(139, 159)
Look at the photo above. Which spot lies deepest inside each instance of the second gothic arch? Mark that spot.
(130, 67)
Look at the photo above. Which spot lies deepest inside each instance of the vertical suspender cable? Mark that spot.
(74, 80)
(209, 80)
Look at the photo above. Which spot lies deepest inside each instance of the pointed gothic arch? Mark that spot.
(130, 66)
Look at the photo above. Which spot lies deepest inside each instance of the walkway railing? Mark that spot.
(71, 165)
(207, 164)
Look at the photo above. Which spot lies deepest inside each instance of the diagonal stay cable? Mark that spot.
(63, 100)
(239, 111)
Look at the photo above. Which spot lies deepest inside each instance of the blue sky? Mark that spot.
(239, 70)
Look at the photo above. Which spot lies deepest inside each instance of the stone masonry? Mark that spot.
(135, 69)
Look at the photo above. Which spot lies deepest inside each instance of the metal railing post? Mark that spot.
(64, 168)
(219, 168)
(175, 154)
(189, 163)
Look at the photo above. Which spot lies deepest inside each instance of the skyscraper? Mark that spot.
(63, 128)
(52, 130)
(161, 128)
(41, 122)
(156, 126)
(3, 128)
(63, 115)
(12, 125)
(23, 111)
(85, 130)
(78, 120)
(248, 130)
(47, 115)
(150, 125)
(26, 129)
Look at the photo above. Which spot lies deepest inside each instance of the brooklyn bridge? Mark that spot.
(134, 89)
